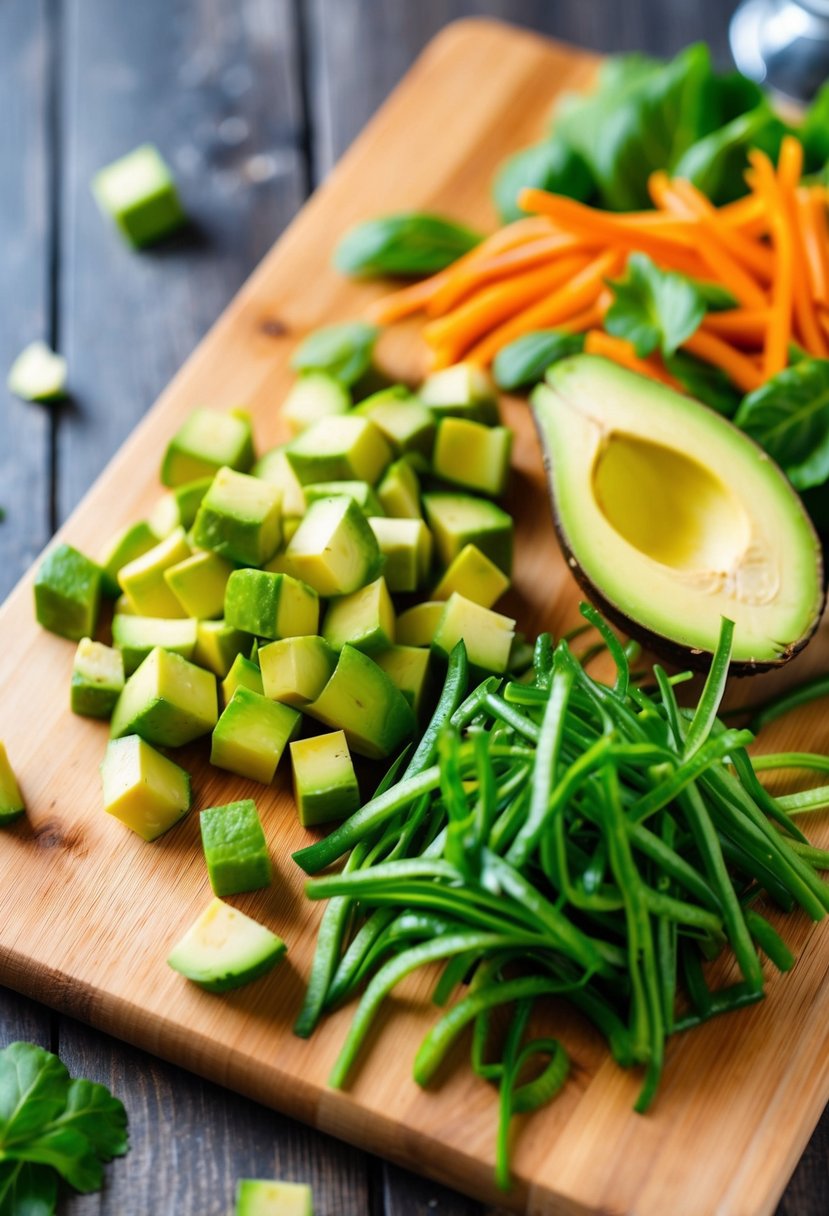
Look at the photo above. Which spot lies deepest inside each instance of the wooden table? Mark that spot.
(252, 101)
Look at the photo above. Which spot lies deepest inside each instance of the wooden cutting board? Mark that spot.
(88, 912)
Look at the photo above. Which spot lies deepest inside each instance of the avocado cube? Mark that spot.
(97, 679)
(488, 635)
(406, 546)
(240, 517)
(417, 625)
(177, 508)
(361, 700)
(334, 550)
(325, 784)
(135, 636)
(199, 583)
(295, 670)
(271, 605)
(235, 848)
(275, 468)
(259, 1198)
(243, 673)
(399, 491)
(217, 645)
(458, 520)
(168, 701)
(138, 192)
(409, 668)
(347, 448)
(462, 391)
(131, 542)
(225, 949)
(362, 493)
(407, 424)
(38, 374)
(142, 788)
(473, 575)
(314, 396)
(68, 593)
(365, 619)
(473, 455)
(205, 443)
(252, 734)
(143, 582)
(11, 800)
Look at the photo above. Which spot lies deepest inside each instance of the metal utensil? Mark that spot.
(783, 44)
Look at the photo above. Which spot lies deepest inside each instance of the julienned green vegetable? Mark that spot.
(562, 837)
(412, 243)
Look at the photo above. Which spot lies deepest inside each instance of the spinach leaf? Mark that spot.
(717, 298)
(412, 243)
(523, 362)
(652, 308)
(27, 1190)
(814, 131)
(789, 417)
(550, 165)
(343, 351)
(716, 164)
(707, 384)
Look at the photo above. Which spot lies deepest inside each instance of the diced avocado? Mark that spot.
(138, 192)
(177, 508)
(225, 949)
(143, 582)
(207, 442)
(296, 670)
(131, 542)
(135, 636)
(334, 550)
(122, 607)
(325, 784)
(97, 679)
(289, 527)
(488, 635)
(198, 583)
(313, 397)
(240, 518)
(399, 491)
(235, 848)
(361, 700)
(38, 374)
(365, 619)
(271, 605)
(417, 625)
(11, 800)
(275, 468)
(68, 593)
(217, 645)
(408, 426)
(406, 546)
(142, 788)
(473, 455)
(252, 734)
(168, 701)
(474, 576)
(362, 493)
(463, 391)
(347, 448)
(408, 667)
(457, 520)
(256, 1198)
(243, 674)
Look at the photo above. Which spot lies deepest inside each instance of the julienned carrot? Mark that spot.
(598, 342)
(742, 326)
(788, 176)
(719, 353)
(746, 214)
(779, 331)
(811, 209)
(679, 194)
(790, 163)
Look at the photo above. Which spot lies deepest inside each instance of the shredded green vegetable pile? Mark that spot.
(561, 836)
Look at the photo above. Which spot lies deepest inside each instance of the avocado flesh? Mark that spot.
(671, 518)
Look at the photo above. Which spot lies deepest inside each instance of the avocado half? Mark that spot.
(671, 518)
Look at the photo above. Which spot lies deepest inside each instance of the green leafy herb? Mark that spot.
(523, 362)
(716, 164)
(550, 165)
(705, 382)
(814, 131)
(654, 309)
(789, 417)
(344, 351)
(717, 298)
(413, 243)
(52, 1128)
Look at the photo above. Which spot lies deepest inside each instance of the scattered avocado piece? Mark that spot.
(457, 520)
(314, 396)
(168, 701)
(474, 576)
(135, 636)
(217, 645)
(365, 619)
(225, 949)
(252, 734)
(11, 800)
(142, 580)
(409, 668)
(325, 784)
(488, 635)
(295, 670)
(38, 374)
(464, 390)
(406, 546)
(177, 508)
(240, 517)
(243, 673)
(67, 592)
(205, 443)
(131, 542)
(472, 455)
(361, 700)
(142, 788)
(407, 424)
(334, 550)
(362, 493)
(275, 467)
(235, 848)
(199, 583)
(418, 624)
(139, 193)
(271, 605)
(672, 518)
(346, 448)
(259, 1198)
(97, 679)
(399, 492)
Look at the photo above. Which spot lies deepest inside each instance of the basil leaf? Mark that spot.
(94, 1112)
(33, 1090)
(716, 298)
(523, 362)
(653, 308)
(789, 417)
(27, 1190)
(550, 165)
(344, 351)
(69, 1153)
(814, 132)
(706, 383)
(716, 164)
(412, 243)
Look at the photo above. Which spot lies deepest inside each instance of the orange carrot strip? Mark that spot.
(597, 342)
(779, 331)
(712, 349)
(805, 315)
(589, 318)
(811, 216)
(500, 266)
(756, 257)
(790, 163)
(741, 326)
(405, 301)
(747, 213)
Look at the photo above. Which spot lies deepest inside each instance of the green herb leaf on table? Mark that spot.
(654, 309)
(410, 244)
(789, 417)
(550, 165)
(523, 362)
(344, 351)
(27, 1190)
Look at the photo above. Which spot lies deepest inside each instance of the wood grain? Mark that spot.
(88, 913)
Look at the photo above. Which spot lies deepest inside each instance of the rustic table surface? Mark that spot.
(252, 101)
